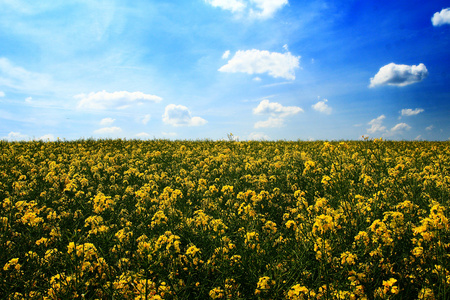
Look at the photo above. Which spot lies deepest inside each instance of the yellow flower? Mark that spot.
(12, 263)
(348, 258)
(264, 284)
(298, 292)
(216, 293)
(191, 251)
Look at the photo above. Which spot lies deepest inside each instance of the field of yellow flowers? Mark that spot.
(118, 219)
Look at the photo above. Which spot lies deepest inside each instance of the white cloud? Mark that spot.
(266, 8)
(143, 135)
(441, 18)
(145, 119)
(262, 61)
(261, 9)
(399, 75)
(322, 107)
(121, 99)
(29, 100)
(107, 121)
(400, 127)
(258, 136)
(226, 54)
(257, 78)
(172, 134)
(429, 128)
(20, 79)
(16, 136)
(376, 125)
(271, 122)
(275, 109)
(108, 130)
(409, 112)
(47, 137)
(232, 5)
(2, 94)
(179, 115)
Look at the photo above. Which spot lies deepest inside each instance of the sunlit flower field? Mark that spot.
(129, 219)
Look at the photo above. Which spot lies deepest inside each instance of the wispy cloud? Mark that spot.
(143, 135)
(376, 125)
(261, 61)
(104, 100)
(145, 119)
(410, 112)
(399, 75)
(18, 78)
(271, 122)
(107, 121)
(261, 9)
(108, 130)
(441, 18)
(400, 127)
(258, 136)
(179, 115)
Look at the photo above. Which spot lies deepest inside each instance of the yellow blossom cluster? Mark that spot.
(118, 219)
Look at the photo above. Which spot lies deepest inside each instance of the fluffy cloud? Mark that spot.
(262, 61)
(121, 99)
(322, 107)
(271, 122)
(409, 112)
(400, 127)
(179, 115)
(399, 75)
(108, 130)
(21, 79)
(429, 128)
(376, 125)
(107, 121)
(261, 9)
(258, 136)
(47, 137)
(275, 109)
(16, 136)
(441, 18)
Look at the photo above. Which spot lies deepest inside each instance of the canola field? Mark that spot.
(129, 219)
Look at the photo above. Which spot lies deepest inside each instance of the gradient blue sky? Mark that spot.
(260, 69)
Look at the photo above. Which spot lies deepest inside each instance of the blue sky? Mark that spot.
(201, 69)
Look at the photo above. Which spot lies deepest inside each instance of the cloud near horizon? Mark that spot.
(399, 75)
(179, 115)
(121, 99)
(108, 130)
(261, 61)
